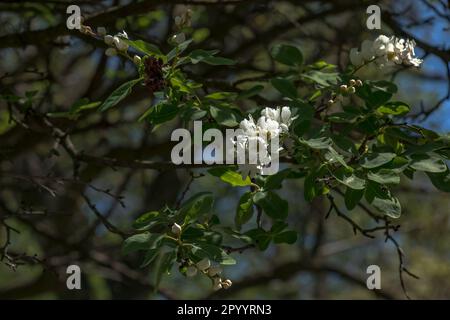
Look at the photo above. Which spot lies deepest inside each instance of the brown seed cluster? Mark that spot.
(154, 79)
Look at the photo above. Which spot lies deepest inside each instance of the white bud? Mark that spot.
(330, 102)
(204, 264)
(214, 270)
(137, 59)
(356, 57)
(108, 39)
(343, 88)
(285, 115)
(101, 31)
(179, 38)
(351, 90)
(191, 271)
(176, 229)
(217, 283)
(110, 52)
(352, 82)
(120, 44)
(227, 283)
(359, 83)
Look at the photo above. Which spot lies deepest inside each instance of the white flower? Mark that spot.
(356, 57)
(367, 50)
(380, 45)
(268, 128)
(191, 271)
(101, 31)
(270, 113)
(214, 270)
(203, 264)
(249, 126)
(176, 229)
(110, 52)
(122, 34)
(108, 39)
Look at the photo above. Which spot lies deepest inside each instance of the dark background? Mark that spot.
(39, 198)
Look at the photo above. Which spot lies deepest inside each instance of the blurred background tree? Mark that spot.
(47, 224)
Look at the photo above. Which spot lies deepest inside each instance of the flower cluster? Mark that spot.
(271, 125)
(386, 51)
(116, 42)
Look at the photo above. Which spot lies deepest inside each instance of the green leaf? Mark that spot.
(289, 237)
(83, 104)
(353, 197)
(160, 113)
(248, 93)
(427, 164)
(333, 156)
(318, 143)
(440, 180)
(150, 255)
(140, 241)
(374, 160)
(384, 176)
(144, 220)
(395, 108)
(144, 47)
(164, 265)
(285, 87)
(286, 54)
(196, 206)
(178, 49)
(272, 204)
(206, 250)
(208, 57)
(244, 210)
(224, 116)
(323, 79)
(389, 206)
(230, 176)
(348, 179)
(261, 237)
(119, 94)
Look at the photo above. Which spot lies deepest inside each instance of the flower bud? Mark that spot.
(120, 44)
(330, 103)
(176, 229)
(101, 31)
(179, 38)
(227, 283)
(111, 52)
(351, 90)
(191, 271)
(108, 39)
(137, 60)
(215, 270)
(343, 88)
(204, 264)
(352, 82)
(217, 286)
(285, 115)
(359, 83)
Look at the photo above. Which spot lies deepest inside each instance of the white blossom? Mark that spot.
(386, 51)
(137, 60)
(226, 284)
